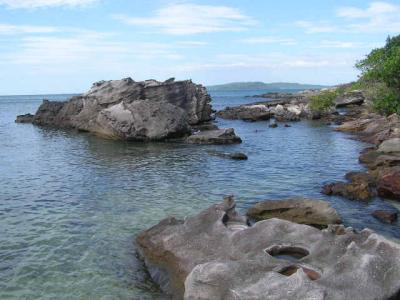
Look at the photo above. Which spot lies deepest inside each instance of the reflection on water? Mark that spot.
(71, 203)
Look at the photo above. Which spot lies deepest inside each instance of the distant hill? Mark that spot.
(257, 85)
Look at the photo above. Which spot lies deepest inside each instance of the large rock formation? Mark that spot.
(215, 255)
(312, 212)
(126, 109)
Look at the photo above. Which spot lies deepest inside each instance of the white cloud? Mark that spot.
(11, 29)
(374, 9)
(187, 18)
(311, 27)
(341, 45)
(269, 40)
(85, 49)
(273, 61)
(378, 17)
(44, 3)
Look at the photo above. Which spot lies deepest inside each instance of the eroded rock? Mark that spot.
(317, 213)
(215, 255)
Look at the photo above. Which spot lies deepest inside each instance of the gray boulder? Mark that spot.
(389, 146)
(215, 255)
(317, 213)
(350, 98)
(125, 109)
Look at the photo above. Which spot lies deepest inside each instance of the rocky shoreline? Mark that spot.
(218, 254)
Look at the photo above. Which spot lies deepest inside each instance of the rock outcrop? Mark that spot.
(215, 255)
(312, 212)
(130, 110)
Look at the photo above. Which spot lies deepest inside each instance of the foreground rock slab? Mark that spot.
(130, 110)
(317, 213)
(215, 255)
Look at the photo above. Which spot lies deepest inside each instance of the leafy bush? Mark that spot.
(323, 101)
(380, 71)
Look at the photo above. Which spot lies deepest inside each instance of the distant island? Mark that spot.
(258, 85)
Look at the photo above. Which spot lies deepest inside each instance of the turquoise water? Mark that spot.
(71, 204)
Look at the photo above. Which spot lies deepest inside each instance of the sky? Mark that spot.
(63, 46)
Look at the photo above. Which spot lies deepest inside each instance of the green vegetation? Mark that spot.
(257, 85)
(323, 101)
(380, 76)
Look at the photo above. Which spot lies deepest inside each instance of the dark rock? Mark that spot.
(287, 125)
(273, 125)
(215, 255)
(125, 109)
(350, 98)
(303, 211)
(234, 155)
(219, 136)
(385, 216)
(359, 190)
(27, 118)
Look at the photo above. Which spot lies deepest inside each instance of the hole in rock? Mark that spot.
(290, 270)
(291, 253)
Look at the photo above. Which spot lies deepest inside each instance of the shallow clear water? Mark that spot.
(71, 203)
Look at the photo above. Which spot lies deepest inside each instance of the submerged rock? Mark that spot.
(219, 136)
(126, 109)
(303, 211)
(215, 255)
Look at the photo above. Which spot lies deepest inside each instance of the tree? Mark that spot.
(381, 69)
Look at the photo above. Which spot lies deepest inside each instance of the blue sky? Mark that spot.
(63, 46)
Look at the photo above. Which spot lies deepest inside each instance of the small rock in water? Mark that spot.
(234, 155)
(385, 216)
(273, 125)
(287, 125)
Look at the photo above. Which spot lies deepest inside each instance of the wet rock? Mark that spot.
(27, 118)
(234, 155)
(389, 185)
(125, 109)
(317, 213)
(215, 255)
(273, 125)
(287, 125)
(350, 98)
(385, 216)
(219, 136)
